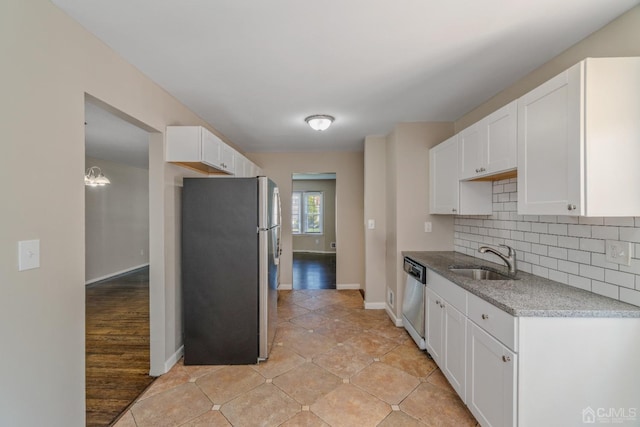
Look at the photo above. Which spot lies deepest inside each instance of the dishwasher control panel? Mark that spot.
(415, 269)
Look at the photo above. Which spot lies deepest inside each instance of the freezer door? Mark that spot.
(269, 203)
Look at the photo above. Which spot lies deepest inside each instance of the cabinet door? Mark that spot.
(241, 165)
(183, 144)
(550, 155)
(500, 148)
(470, 154)
(227, 158)
(210, 148)
(455, 342)
(491, 379)
(433, 325)
(443, 177)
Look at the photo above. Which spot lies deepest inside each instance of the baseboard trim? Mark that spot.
(375, 305)
(285, 287)
(348, 286)
(396, 321)
(116, 273)
(173, 359)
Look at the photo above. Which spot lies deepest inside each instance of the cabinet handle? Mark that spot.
(482, 169)
(571, 207)
(477, 170)
(506, 359)
(485, 316)
(438, 302)
(454, 210)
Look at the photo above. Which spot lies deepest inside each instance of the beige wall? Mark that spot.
(407, 192)
(349, 169)
(320, 242)
(116, 221)
(375, 206)
(49, 62)
(621, 37)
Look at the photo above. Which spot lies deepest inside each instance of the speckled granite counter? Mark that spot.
(529, 296)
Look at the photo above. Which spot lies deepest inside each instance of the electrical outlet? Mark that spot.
(428, 227)
(618, 252)
(390, 298)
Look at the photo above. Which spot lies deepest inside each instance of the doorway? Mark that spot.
(313, 227)
(117, 337)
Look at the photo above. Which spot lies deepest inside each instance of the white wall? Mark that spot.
(116, 221)
(49, 63)
(349, 169)
(407, 193)
(375, 148)
(318, 242)
(618, 38)
(569, 250)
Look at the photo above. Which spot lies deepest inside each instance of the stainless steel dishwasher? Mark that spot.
(413, 302)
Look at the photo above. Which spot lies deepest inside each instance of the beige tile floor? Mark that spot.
(333, 364)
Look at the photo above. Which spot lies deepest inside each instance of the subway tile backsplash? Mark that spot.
(570, 250)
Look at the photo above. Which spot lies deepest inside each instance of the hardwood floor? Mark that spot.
(117, 345)
(314, 271)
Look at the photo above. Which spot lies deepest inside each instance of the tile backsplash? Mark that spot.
(570, 250)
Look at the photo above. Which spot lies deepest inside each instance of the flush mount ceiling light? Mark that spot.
(94, 177)
(319, 121)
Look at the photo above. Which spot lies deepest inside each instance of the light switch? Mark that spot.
(371, 224)
(28, 254)
(428, 227)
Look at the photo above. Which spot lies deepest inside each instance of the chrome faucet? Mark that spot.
(509, 259)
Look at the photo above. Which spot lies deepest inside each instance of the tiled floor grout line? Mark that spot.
(379, 349)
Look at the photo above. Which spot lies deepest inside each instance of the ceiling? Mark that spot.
(255, 69)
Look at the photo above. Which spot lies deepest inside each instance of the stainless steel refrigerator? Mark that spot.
(230, 253)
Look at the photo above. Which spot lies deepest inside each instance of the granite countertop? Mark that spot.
(529, 295)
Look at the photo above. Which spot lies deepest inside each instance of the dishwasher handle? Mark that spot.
(416, 270)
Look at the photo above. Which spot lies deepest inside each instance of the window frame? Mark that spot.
(302, 213)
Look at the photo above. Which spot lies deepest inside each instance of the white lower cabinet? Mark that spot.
(455, 335)
(433, 326)
(491, 379)
(445, 329)
(532, 371)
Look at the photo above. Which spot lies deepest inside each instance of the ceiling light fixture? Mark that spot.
(94, 177)
(319, 121)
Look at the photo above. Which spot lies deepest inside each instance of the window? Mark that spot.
(306, 212)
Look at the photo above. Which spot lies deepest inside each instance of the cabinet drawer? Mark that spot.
(448, 290)
(496, 322)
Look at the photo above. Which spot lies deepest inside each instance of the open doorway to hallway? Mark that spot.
(313, 226)
(117, 340)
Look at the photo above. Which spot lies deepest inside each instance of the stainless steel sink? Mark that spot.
(479, 273)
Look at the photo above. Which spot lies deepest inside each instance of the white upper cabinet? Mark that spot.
(500, 148)
(443, 177)
(489, 146)
(578, 141)
(470, 151)
(228, 158)
(447, 194)
(197, 148)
